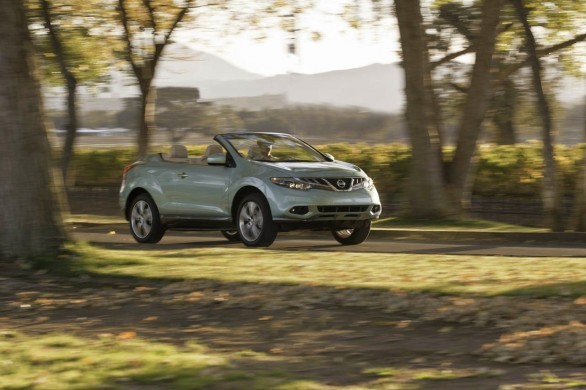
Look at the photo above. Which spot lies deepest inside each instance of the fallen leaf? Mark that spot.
(143, 289)
(126, 335)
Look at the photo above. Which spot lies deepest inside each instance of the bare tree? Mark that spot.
(477, 99)
(70, 82)
(148, 26)
(552, 196)
(426, 191)
(580, 194)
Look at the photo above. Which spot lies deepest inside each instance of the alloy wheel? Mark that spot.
(142, 219)
(251, 221)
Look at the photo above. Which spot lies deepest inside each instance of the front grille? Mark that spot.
(342, 209)
(335, 183)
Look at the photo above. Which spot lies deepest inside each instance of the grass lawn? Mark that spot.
(453, 225)
(442, 274)
(127, 360)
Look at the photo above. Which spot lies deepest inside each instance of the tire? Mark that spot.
(255, 222)
(145, 223)
(231, 235)
(353, 236)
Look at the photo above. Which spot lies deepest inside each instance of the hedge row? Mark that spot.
(502, 170)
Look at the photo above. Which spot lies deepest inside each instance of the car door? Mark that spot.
(201, 191)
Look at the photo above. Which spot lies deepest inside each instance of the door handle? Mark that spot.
(182, 175)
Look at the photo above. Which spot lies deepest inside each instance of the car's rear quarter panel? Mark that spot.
(156, 178)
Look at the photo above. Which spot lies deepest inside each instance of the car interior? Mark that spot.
(178, 153)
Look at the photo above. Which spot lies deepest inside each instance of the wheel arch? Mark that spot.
(133, 194)
(243, 192)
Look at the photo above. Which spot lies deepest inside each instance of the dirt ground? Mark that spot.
(332, 336)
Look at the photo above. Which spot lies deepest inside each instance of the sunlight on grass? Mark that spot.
(63, 361)
(393, 375)
(453, 225)
(58, 361)
(93, 219)
(486, 275)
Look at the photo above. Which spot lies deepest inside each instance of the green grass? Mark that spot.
(443, 274)
(126, 360)
(453, 225)
(57, 361)
(93, 219)
(109, 361)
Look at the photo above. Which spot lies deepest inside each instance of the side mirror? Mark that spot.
(217, 159)
(329, 157)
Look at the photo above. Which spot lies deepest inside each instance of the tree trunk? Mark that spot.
(552, 196)
(147, 117)
(580, 195)
(426, 192)
(71, 135)
(30, 215)
(461, 175)
(71, 83)
(504, 113)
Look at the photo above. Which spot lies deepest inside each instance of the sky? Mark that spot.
(340, 46)
(332, 52)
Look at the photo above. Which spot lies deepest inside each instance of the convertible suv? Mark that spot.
(249, 186)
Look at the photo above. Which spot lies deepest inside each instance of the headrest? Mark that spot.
(213, 149)
(178, 151)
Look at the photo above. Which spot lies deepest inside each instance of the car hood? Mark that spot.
(316, 169)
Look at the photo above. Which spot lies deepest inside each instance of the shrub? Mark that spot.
(501, 171)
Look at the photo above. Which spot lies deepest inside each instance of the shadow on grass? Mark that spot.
(274, 334)
(277, 334)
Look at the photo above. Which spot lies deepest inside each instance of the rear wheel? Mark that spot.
(255, 222)
(145, 224)
(353, 236)
(231, 235)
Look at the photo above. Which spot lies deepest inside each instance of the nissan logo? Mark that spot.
(341, 183)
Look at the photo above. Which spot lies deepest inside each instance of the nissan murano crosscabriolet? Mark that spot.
(249, 186)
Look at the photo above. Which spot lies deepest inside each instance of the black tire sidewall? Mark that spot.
(358, 236)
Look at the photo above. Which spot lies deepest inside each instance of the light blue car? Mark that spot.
(249, 186)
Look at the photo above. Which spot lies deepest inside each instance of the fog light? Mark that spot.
(376, 208)
(299, 210)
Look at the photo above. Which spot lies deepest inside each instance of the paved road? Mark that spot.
(117, 236)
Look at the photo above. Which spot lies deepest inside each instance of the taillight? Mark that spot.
(128, 168)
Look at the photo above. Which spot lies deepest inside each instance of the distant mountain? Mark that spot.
(182, 66)
(375, 87)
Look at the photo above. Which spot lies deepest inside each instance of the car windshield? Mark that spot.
(273, 147)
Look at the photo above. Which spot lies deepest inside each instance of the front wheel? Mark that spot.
(255, 222)
(353, 236)
(145, 224)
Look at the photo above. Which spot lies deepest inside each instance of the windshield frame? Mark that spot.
(284, 148)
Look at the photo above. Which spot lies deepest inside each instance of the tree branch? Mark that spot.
(127, 40)
(180, 16)
(540, 53)
(452, 56)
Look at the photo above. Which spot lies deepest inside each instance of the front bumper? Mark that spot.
(322, 207)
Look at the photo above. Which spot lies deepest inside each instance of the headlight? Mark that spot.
(368, 183)
(291, 183)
